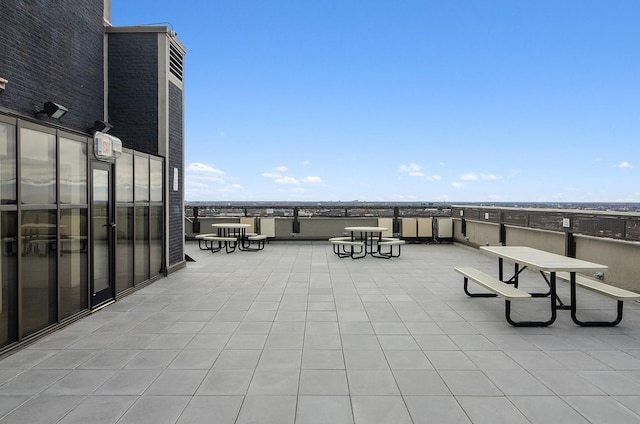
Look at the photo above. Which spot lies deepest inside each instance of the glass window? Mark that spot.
(39, 297)
(7, 163)
(101, 223)
(9, 274)
(156, 180)
(124, 248)
(141, 178)
(142, 244)
(155, 239)
(73, 261)
(73, 172)
(124, 178)
(38, 167)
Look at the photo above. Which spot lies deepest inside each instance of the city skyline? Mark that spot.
(483, 101)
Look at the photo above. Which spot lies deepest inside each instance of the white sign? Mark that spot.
(103, 146)
(566, 222)
(175, 179)
(106, 146)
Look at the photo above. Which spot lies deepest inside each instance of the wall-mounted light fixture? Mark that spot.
(3, 84)
(52, 110)
(102, 126)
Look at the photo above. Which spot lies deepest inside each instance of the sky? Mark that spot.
(407, 100)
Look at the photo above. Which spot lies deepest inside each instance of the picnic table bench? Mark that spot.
(390, 242)
(602, 288)
(497, 287)
(552, 267)
(345, 247)
(224, 242)
(364, 241)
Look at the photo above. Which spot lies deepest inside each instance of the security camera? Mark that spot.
(3, 84)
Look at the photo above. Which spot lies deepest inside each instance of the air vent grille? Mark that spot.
(176, 61)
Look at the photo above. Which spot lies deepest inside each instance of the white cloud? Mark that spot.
(311, 179)
(415, 170)
(469, 176)
(442, 164)
(456, 184)
(411, 168)
(284, 179)
(200, 172)
(306, 163)
(623, 165)
(229, 189)
(273, 175)
(196, 184)
(472, 176)
(279, 177)
(205, 169)
(209, 178)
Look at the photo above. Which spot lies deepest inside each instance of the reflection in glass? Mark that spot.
(142, 244)
(73, 261)
(141, 179)
(73, 172)
(101, 228)
(39, 294)
(38, 167)
(7, 164)
(9, 273)
(156, 180)
(155, 240)
(124, 248)
(124, 178)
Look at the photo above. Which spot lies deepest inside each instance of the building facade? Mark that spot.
(91, 162)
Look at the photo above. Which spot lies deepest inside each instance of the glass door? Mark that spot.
(102, 234)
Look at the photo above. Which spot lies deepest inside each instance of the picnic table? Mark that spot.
(364, 241)
(552, 267)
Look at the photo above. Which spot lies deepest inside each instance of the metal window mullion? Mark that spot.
(19, 240)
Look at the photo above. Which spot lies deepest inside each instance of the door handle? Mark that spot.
(112, 225)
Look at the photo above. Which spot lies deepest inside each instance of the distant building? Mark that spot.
(91, 161)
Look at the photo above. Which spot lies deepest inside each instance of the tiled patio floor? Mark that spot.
(294, 334)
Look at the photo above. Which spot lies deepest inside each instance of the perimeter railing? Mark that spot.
(607, 237)
(319, 222)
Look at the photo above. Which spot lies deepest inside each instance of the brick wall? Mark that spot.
(53, 51)
(133, 89)
(176, 153)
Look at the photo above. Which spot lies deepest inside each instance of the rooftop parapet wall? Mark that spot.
(610, 238)
(318, 221)
(615, 225)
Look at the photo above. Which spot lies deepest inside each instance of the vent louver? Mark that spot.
(176, 61)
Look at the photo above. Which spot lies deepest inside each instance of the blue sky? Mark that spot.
(416, 100)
